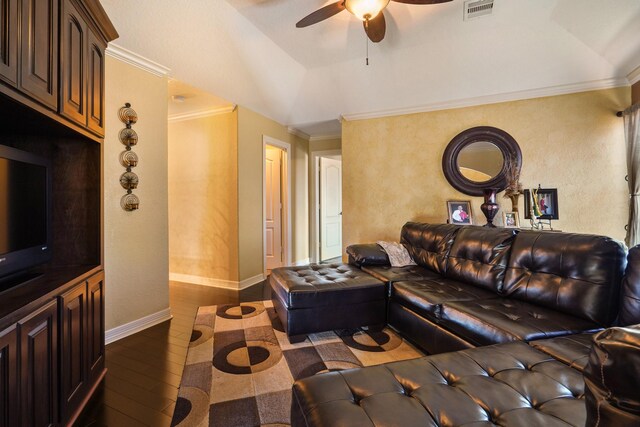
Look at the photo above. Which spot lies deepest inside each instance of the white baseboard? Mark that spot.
(306, 261)
(216, 283)
(141, 324)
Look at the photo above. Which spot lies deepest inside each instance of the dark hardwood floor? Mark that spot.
(144, 369)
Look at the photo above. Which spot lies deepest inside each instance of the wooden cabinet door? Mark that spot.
(9, 41)
(39, 62)
(73, 64)
(73, 352)
(9, 386)
(95, 83)
(39, 367)
(95, 339)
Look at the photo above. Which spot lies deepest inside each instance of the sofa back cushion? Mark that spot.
(429, 244)
(578, 274)
(479, 256)
(630, 293)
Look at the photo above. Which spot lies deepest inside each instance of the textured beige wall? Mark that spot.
(325, 145)
(136, 243)
(251, 128)
(393, 174)
(203, 197)
(635, 93)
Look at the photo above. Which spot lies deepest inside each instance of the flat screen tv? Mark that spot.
(25, 211)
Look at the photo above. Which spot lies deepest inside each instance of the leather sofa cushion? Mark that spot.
(571, 349)
(507, 385)
(578, 274)
(429, 244)
(324, 285)
(612, 377)
(394, 274)
(367, 254)
(630, 302)
(426, 297)
(479, 256)
(502, 320)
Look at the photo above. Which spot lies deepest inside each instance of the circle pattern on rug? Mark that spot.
(374, 342)
(248, 357)
(200, 334)
(191, 408)
(244, 310)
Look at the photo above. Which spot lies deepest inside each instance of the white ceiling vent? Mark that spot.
(477, 8)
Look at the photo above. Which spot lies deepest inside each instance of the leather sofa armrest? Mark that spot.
(611, 378)
(367, 254)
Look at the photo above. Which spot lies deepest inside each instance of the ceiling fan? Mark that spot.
(370, 12)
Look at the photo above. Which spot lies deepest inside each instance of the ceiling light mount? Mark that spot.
(365, 10)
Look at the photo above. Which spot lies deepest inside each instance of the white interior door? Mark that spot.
(273, 207)
(330, 208)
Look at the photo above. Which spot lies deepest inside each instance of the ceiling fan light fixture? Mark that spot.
(365, 10)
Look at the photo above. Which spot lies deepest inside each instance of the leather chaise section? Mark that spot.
(511, 384)
(429, 244)
(479, 256)
(426, 297)
(503, 320)
(572, 349)
(425, 333)
(301, 287)
(394, 274)
(577, 274)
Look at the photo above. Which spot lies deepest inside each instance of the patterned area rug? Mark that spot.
(240, 365)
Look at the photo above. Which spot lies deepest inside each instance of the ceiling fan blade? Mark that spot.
(321, 14)
(376, 28)
(421, 1)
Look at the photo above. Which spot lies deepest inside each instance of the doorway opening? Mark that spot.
(327, 211)
(276, 206)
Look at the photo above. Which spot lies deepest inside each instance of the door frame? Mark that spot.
(315, 197)
(286, 203)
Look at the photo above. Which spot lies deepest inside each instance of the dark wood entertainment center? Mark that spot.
(52, 72)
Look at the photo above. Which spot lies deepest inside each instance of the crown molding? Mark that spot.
(634, 76)
(136, 60)
(203, 113)
(298, 133)
(325, 137)
(494, 99)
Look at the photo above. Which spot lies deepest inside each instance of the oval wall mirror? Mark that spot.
(477, 158)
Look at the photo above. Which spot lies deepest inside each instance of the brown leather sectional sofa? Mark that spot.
(522, 307)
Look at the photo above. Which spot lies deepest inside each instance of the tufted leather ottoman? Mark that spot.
(324, 297)
(506, 385)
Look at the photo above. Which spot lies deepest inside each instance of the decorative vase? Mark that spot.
(514, 201)
(489, 208)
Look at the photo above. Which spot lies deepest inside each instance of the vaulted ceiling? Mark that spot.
(250, 53)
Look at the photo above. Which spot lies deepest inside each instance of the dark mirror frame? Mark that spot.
(501, 139)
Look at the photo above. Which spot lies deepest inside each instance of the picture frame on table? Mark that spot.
(546, 200)
(511, 219)
(459, 212)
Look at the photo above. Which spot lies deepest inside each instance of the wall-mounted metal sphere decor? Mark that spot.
(128, 137)
(129, 202)
(128, 159)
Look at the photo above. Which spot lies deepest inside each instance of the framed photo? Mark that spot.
(546, 200)
(459, 212)
(511, 219)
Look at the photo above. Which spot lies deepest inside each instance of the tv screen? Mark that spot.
(24, 210)
(23, 205)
